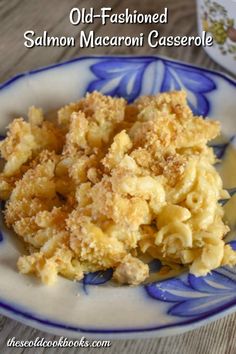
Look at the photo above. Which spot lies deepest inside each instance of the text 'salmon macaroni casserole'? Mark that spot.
(90, 39)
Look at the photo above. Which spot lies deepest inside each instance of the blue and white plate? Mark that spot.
(95, 307)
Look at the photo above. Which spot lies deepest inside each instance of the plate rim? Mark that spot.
(23, 74)
(124, 333)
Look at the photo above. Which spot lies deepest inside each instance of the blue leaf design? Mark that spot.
(193, 296)
(199, 306)
(192, 80)
(119, 77)
(97, 278)
(170, 82)
(125, 77)
(209, 284)
(170, 290)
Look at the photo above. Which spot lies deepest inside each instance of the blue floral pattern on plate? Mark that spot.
(196, 296)
(96, 278)
(124, 78)
(117, 77)
(194, 81)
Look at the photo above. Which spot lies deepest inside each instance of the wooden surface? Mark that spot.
(17, 16)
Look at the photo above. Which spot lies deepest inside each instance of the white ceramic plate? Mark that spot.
(95, 307)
